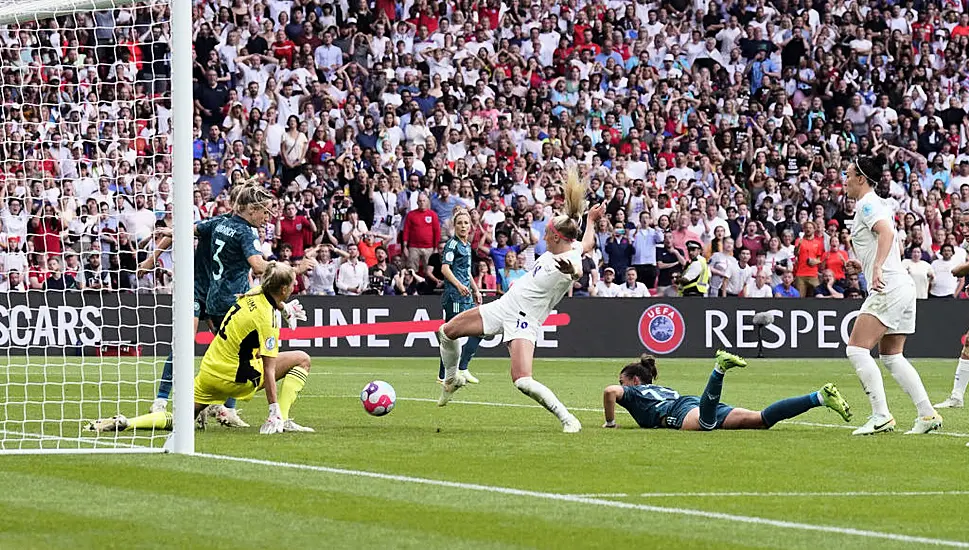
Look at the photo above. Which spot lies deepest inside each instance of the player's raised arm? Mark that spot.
(960, 270)
(589, 237)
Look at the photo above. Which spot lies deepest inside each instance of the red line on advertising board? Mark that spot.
(372, 329)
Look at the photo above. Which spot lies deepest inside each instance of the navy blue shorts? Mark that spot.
(452, 308)
(677, 414)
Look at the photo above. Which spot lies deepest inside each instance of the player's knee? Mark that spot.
(304, 360)
(451, 330)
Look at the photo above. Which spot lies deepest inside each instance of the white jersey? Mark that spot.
(870, 209)
(538, 291)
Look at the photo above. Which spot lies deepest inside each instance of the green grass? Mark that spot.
(146, 501)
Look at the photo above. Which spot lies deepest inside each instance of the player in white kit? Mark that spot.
(519, 314)
(888, 314)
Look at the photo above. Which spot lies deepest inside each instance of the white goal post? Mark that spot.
(94, 93)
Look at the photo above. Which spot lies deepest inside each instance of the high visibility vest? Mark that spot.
(701, 283)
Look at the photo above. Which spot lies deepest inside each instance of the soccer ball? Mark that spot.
(378, 398)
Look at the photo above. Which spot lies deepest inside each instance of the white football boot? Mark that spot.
(926, 424)
(876, 423)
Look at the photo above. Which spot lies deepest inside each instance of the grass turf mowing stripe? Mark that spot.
(778, 494)
(589, 409)
(600, 502)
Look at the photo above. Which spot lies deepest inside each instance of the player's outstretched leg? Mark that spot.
(450, 355)
(910, 381)
(160, 404)
(467, 353)
(957, 397)
(710, 399)
(522, 351)
(161, 420)
(828, 396)
(871, 381)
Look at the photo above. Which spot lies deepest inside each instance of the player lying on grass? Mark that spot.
(654, 406)
(243, 359)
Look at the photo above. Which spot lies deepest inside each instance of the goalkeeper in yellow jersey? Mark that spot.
(243, 359)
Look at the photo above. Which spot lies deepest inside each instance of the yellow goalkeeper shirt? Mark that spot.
(250, 330)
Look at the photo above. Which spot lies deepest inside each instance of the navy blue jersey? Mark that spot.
(232, 242)
(203, 256)
(648, 404)
(457, 254)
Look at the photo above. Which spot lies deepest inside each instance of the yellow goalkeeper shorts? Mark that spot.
(213, 390)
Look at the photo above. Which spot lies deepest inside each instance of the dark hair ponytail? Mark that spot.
(644, 369)
(871, 167)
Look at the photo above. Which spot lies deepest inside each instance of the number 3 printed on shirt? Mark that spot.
(219, 245)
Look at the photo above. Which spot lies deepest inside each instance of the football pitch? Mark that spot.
(492, 470)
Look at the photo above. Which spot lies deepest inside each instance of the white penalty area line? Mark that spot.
(598, 410)
(750, 520)
(778, 494)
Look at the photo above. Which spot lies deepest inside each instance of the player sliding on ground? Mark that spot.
(654, 406)
(888, 314)
(519, 314)
(243, 358)
(460, 291)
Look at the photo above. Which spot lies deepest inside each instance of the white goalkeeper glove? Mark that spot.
(292, 312)
(274, 424)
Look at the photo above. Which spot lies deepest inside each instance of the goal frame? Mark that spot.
(182, 438)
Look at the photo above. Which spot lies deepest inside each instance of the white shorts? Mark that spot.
(895, 309)
(506, 318)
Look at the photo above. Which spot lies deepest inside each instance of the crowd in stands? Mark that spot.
(728, 123)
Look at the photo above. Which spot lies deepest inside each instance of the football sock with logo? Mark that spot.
(961, 380)
(789, 408)
(710, 399)
(468, 350)
(450, 354)
(165, 385)
(871, 378)
(544, 396)
(293, 383)
(910, 381)
(151, 421)
(230, 403)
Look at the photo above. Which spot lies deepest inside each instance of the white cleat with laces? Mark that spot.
(291, 426)
(116, 423)
(950, 403)
(470, 378)
(876, 423)
(926, 424)
(571, 425)
(450, 387)
(230, 418)
(159, 405)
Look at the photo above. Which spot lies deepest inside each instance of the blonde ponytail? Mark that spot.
(567, 225)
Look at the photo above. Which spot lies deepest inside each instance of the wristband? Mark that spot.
(274, 410)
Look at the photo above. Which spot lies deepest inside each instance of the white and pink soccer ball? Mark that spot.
(378, 398)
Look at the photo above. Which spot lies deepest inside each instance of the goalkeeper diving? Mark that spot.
(244, 358)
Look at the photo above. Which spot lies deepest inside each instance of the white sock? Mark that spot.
(908, 378)
(871, 378)
(962, 380)
(450, 354)
(544, 396)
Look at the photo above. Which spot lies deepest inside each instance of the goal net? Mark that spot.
(87, 193)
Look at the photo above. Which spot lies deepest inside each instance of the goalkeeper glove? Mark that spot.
(274, 424)
(292, 312)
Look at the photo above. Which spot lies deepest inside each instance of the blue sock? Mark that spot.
(165, 386)
(440, 372)
(789, 408)
(230, 403)
(467, 352)
(709, 401)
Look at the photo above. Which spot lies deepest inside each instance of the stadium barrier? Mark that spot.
(102, 323)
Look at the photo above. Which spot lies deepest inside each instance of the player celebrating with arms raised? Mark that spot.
(888, 314)
(460, 291)
(243, 359)
(654, 406)
(519, 314)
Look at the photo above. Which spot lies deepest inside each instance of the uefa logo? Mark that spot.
(661, 329)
